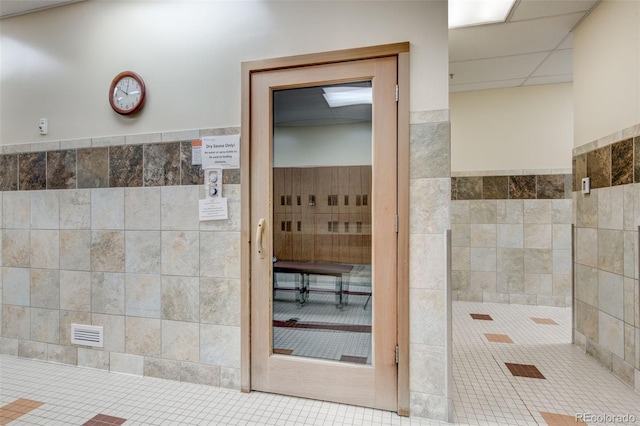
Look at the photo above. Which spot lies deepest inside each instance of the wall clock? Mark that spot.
(127, 93)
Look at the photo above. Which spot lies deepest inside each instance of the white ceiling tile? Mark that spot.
(19, 7)
(532, 9)
(559, 62)
(567, 43)
(486, 85)
(493, 69)
(551, 79)
(487, 41)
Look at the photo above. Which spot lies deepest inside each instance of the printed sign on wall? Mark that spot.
(221, 152)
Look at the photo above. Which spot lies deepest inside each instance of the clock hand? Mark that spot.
(120, 89)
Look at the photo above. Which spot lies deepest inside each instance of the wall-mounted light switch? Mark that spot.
(43, 126)
(586, 185)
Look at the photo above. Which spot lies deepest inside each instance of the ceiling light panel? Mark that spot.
(465, 13)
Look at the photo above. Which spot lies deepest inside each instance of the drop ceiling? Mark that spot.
(534, 46)
(10, 8)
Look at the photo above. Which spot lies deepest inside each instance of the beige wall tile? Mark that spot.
(611, 294)
(45, 288)
(162, 368)
(142, 208)
(181, 340)
(220, 254)
(93, 359)
(75, 250)
(611, 334)
(107, 208)
(220, 345)
(15, 248)
(198, 373)
(107, 293)
(220, 301)
(611, 250)
(113, 328)
(143, 336)
(143, 252)
(127, 363)
(16, 286)
(510, 236)
(427, 373)
(75, 209)
(179, 208)
(32, 350)
(143, 295)
(16, 210)
(107, 251)
(45, 210)
(180, 298)
(181, 253)
(45, 249)
(62, 354)
(75, 291)
(16, 322)
(45, 325)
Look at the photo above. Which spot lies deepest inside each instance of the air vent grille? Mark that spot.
(87, 335)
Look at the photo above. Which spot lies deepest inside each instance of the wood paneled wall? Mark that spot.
(322, 214)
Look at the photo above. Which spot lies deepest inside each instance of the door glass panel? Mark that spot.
(322, 272)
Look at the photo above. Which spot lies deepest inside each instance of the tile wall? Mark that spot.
(119, 244)
(106, 232)
(511, 237)
(607, 295)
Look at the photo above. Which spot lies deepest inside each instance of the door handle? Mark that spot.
(259, 232)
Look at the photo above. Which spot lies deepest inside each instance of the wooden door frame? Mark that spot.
(401, 51)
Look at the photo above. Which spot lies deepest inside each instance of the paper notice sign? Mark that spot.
(213, 209)
(196, 152)
(221, 152)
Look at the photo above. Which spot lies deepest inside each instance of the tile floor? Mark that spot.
(485, 391)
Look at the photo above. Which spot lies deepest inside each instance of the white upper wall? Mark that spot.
(520, 128)
(59, 63)
(606, 69)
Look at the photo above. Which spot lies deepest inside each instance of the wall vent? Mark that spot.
(87, 335)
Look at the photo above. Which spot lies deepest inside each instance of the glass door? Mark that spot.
(323, 207)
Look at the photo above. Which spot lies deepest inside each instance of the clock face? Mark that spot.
(127, 93)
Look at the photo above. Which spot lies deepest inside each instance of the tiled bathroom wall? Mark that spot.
(106, 232)
(607, 295)
(511, 237)
(118, 243)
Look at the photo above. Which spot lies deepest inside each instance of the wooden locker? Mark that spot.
(355, 187)
(296, 190)
(308, 191)
(324, 238)
(279, 204)
(323, 188)
(308, 238)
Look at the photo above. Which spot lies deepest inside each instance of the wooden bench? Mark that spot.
(305, 269)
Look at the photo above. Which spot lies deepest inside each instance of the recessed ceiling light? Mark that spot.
(465, 13)
(346, 95)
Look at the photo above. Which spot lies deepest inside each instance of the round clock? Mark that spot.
(127, 93)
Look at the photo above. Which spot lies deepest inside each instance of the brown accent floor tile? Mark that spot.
(356, 359)
(548, 321)
(498, 338)
(524, 370)
(554, 419)
(281, 351)
(17, 409)
(104, 420)
(483, 317)
(352, 328)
